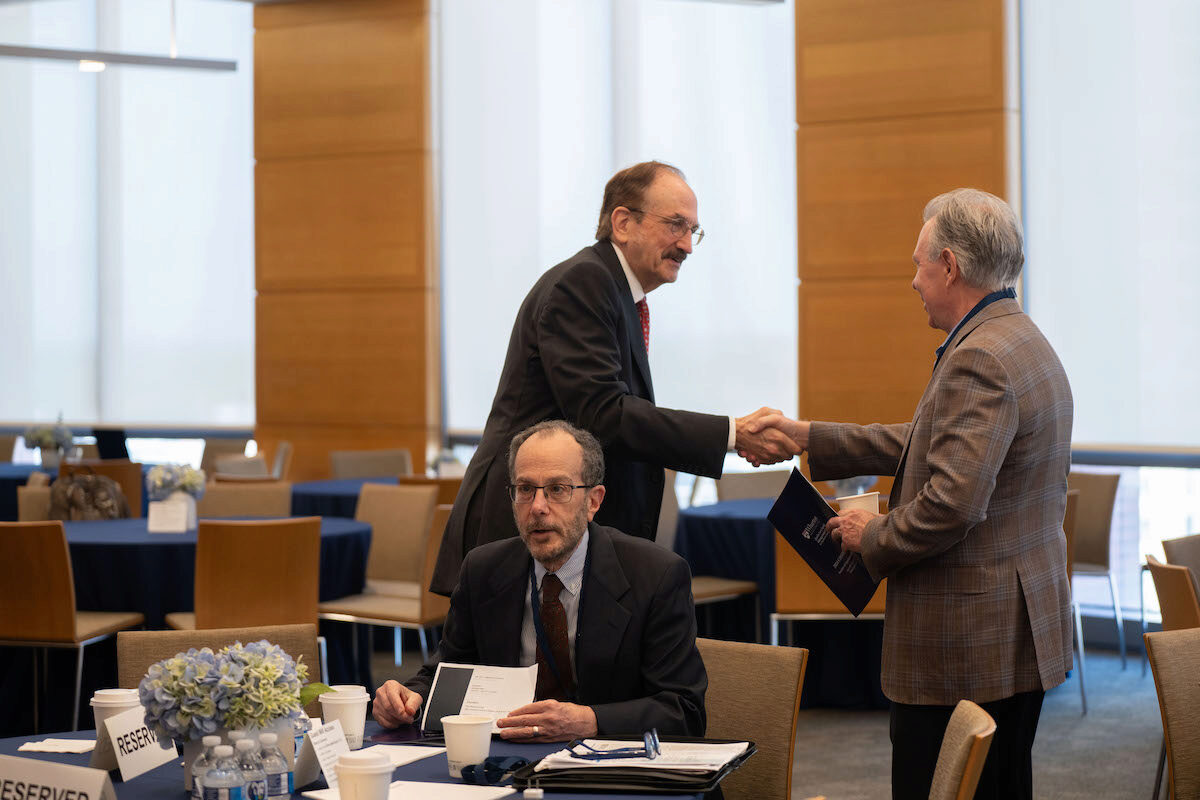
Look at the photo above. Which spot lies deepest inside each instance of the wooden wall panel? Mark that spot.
(349, 222)
(864, 59)
(864, 184)
(347, 314)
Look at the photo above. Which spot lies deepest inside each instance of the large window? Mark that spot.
(126, 217)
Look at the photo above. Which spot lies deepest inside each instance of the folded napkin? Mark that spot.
(59, 746)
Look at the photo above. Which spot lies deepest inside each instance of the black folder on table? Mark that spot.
(800, 514)
(642, 780)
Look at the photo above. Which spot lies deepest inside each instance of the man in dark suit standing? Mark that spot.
(613, 631)
(978, 597)
(578, 352)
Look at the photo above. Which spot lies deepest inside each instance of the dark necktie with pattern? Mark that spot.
(554, 623)
(644, 313)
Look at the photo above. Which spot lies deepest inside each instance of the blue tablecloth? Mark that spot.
(336, 498)
(12, 476)
(167, 780)
(119, 566)
(734, 539)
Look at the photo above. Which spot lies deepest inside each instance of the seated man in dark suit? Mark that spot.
(615, 611)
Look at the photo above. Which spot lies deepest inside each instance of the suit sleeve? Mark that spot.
(457, 645)
(673, 675)
(975, 417)
(578, 342)
(843, 450)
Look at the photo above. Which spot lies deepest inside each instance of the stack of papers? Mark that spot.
(682, 756)
(59, 746)
(401, 754)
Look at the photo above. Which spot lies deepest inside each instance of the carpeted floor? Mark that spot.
(1111, 752)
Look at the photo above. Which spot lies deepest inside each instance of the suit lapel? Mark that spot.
(502, 611)
(601, 615)
(633, 323)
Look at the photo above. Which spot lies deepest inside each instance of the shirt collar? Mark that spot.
(635, 286)
(1002, 294)
(570, 573)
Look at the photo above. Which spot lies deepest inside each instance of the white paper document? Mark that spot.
(59, 746)
(419, 790)
(401, 754)
(687, 756)
(474, 689)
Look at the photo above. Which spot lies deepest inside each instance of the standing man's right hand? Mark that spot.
(395, 705)
(795, 430)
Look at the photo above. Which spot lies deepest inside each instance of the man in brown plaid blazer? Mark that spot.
(978, 599)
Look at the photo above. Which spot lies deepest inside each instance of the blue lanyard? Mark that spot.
(536, 606)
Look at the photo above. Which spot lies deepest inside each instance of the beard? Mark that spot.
(559, 546)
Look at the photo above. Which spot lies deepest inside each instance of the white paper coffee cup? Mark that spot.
(363, 776)
(867, 502)
(468, 740)
(108, 703)
(350, 708)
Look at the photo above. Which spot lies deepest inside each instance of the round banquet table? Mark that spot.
(12, 476)
(335, 498)
(119, 566)
(734, 539)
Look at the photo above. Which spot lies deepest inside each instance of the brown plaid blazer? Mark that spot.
(978, 599)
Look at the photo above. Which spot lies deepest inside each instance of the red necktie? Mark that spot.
(644, 313)
(554, 622)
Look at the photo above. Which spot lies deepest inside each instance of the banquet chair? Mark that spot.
(220, 447)
(801, 595)
(369, 463)
(1177, 600)
(38, 478)
(282, 465)
(762, 710)
(33, 503)
(1175, 661)
(1185, 552)
(138, 650)
(230, 466)
(256, 499)
(127, 474)
(745, 485)
(1093, 539)
(393, 603)
(1069, 519)
(37, 593)
(447, 487)
(8, 443)
(964, 748)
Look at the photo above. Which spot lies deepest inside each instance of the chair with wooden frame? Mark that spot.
(392, 603)
(1069, 520)
(746, 485)
(37, 593)
(762, 709)
(369, 463)
(127, 474)
(33, 503)
(1175, 660)
(964, 749)
(281, 466)
(1185, 552)
(234, 466)
(8, 443)
(252, 499)
(1177, 601)
(447, 487)
(137, 650)
(220, 447)
(1093, 536)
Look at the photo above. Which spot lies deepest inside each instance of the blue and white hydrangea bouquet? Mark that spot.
(57, 435)
(163, 479)
(196, 693)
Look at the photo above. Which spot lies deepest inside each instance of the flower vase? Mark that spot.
(179, 496)
(51, 458)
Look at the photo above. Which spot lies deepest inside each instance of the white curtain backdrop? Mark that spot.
(542, 100)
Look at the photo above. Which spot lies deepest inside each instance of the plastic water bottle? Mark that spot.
(235, 737)
(201, 765)
(252, 769)
(300, 726)
(224, 780)
(279, 777)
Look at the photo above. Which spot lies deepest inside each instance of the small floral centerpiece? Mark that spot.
(164, 479)
(58, 436)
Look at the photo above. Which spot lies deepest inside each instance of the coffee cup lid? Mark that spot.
(115, 697)
(364, 761)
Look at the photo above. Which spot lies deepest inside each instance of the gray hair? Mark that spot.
(983, 233)
(593, 454)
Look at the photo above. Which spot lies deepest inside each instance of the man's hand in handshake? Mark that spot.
(762, 438)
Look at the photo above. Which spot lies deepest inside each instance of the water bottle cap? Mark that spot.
(223, 751)
(245, 744)
(236, 735)
(211, 741)
(269, 739)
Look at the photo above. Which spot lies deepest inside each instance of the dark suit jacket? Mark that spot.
(576, 353)
(978, 599)
(636, 661)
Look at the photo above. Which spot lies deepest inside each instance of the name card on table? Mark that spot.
(34, 779)
(167, 517)
(137, 748)
(329, 742)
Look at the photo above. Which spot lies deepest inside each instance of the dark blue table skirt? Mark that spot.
(734, 539)
(167, 780)
(12, 476)
(336, 498)
(119, 566)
